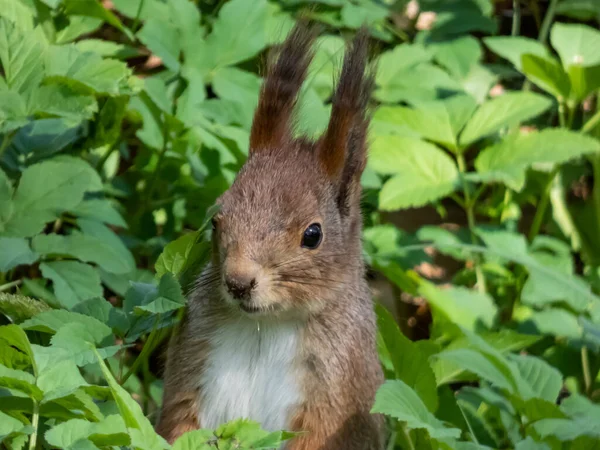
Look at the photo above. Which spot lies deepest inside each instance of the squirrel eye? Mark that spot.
(312, 236)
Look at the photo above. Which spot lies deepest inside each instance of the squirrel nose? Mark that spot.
(240, 287)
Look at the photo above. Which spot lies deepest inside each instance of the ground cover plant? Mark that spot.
(122, 121)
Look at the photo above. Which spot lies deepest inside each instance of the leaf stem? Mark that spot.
(7, 286)
(406, 433)
(548, 18)
(542, 206)
(34, 423)
(592, 123)
(585, 366)
(470, 220)
(516, 20)
(148, 347)
(136, 21)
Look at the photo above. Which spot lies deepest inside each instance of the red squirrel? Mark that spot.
(280, 327)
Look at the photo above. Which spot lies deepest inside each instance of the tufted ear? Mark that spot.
(343, 147)
(272, 125)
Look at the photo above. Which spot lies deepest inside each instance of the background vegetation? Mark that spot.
(121, 122)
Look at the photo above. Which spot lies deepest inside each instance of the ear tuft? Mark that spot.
(272, 125)
(343, 147)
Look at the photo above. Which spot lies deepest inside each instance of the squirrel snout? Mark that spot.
(240, 287)
(240, 277)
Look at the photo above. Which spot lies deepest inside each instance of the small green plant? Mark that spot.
(121, 122)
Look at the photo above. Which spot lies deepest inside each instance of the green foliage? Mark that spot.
(120, 127)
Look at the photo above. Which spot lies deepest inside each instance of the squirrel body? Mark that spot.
(280, 327)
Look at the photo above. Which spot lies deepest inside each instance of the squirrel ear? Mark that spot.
(342, 149)
(272, 125)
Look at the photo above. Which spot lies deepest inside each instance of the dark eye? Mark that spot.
(312, 236)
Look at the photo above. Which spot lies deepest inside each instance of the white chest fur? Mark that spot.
(251, 373)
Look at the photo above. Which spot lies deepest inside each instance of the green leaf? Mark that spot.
(84, 247)
(422, 172)
(88, 70)
(397, 399)
(46, 189)
(458, 55)
(241, 88)
(503, 111)
(110, 431)
(141, 431)
(73, 281)
(410, 360)
(62, 101)
(513, 48)
(6, 193)
(15, 337)
(194, 440)
(9, 425)
(392, 63)
(439, 121)
(576, 44)
(584, 81)
(465, 307)
(19, 308)
(508, 159)
(530, 444)
(101, 210)
(20, 381)
(556, 322)
(222, 47)
(101, 309)
(538, 379)
(14, 252)
(92, 8)
(21, 55)
(548, 74)
(22, 14)
(168, 297)
(52, 321)
(80, 342)
(162, 39)
(477, 363)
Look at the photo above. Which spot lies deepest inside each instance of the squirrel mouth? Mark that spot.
(250, 309)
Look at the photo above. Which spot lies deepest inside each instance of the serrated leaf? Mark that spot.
(168, 297)
(410, 361)
(92, 8)
(80, 342)
(19, 308)
(395, 398)
(47, 188)
(21, 381)
(89, 70)
(14, 252)
(241, 88)
(465, 307)
(422, 172)
(101, 210)
(21, 55)
(514, 154)
(62, 101)
(194, 440)
(73, 281)
(538, 379)
(102, 310)
(458, 55)
(84, 247)
(222, 47)
(14, 336)
(503, 111)
(9, 425)
(52, 321)
(162, 39)
(513, 48)
(110, 431)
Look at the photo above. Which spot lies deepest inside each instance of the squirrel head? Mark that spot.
(287, 236)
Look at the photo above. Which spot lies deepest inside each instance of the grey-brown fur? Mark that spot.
(286, 185)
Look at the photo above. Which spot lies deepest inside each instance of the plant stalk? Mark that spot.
(481, 285)
(548, 19)
(516, 20)
(585, 365)
(7, 286)
(34, 423)
(406, 434)
(145, 353)
(592, 123)
(542, 206)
